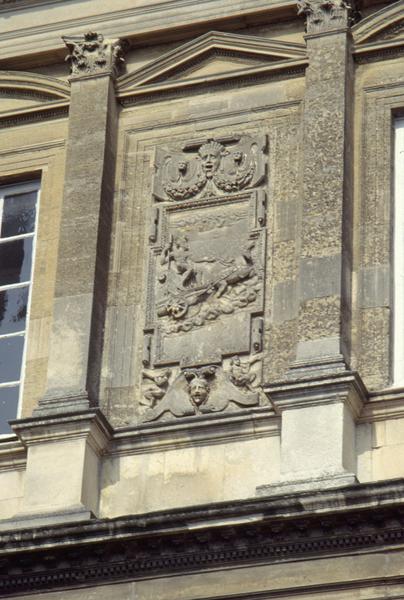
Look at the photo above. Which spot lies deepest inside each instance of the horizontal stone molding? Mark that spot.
(352, 519)
(287, 68)
(378, 25)
(250, 424)
(13, 455)
(339, 387)
(154, 437)
(34, 85)
(54, 110)
(51, 95)
(163, 20)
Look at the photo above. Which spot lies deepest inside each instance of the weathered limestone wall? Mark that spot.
(273, 109)
(151, 481)
(326, 220)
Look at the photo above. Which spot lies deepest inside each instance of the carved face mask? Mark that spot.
(198, 390)
(210, 154)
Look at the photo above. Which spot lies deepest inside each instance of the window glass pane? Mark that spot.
(18, 214)
(15, 261)
(8, 407)
(11, 349)
(13, 309)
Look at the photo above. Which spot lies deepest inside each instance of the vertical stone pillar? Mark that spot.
(325, 257)
(321, 400)
(82, 264)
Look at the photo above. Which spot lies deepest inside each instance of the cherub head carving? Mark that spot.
(182, 167)
(198, 384)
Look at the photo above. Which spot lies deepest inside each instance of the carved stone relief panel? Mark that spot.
(205, 292)
(209, 168)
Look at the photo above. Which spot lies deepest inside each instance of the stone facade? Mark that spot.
(208, 407)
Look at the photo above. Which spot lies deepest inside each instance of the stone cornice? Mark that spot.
(328, 523)
(342, 386)
(151, 22)
(281, 69)
(13, 5)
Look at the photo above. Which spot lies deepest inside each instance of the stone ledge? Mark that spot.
(352, 519)
(309, 485)
(45, 520)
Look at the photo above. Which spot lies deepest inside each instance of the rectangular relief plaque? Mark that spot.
(205, 292)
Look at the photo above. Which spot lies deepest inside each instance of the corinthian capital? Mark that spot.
(92, 54)
(325, 15)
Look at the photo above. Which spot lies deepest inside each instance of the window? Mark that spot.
(18, 214)
(398, 333)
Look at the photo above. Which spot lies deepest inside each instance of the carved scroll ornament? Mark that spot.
(211, 168)
(92, 54)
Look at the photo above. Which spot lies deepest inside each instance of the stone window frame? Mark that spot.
(382, 105)
(398, 242)
(33, 185)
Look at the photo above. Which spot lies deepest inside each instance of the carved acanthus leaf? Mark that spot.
(92, 54)
(326, 15)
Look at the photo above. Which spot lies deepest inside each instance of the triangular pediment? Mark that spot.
(383, 26)
(210, 55)
(212, 63)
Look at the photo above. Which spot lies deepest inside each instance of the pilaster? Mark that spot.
(63, 465)
(82, 267)
(321, 400)
(318, 447)
(325, 254)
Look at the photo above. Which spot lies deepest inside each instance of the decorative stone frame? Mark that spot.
(44, 161)
(373, 346)
(137, 146)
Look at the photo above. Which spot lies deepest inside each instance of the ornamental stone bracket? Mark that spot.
(324, 16)
(92, 55)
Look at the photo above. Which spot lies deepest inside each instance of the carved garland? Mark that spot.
(203, 337)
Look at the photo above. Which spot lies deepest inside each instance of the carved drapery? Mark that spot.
(92, 54)
(203, 333)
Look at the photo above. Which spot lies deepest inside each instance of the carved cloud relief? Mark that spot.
(202, 351)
